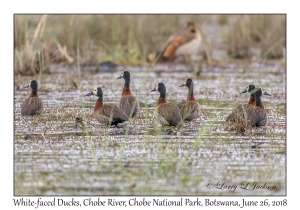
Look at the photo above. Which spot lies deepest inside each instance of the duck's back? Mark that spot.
(249, 115)
(170, 113)
(107, 111)
(32, 106)
(127, 103)
(189, 110)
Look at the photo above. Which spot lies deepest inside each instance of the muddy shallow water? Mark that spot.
(54, 157)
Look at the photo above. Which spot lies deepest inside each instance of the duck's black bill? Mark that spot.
(89, 94)
(120, 77)
(267, 94)
(182, 85)
(244, 91)
(27, 86)
(153, 90)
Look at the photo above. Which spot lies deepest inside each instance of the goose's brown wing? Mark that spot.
(177, 40)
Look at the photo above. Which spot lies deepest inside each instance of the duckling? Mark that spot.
(184, 42)
(168, 113)
(252, 114)
(128, 103)
(108, 114)
(33, 104)
(189, 109)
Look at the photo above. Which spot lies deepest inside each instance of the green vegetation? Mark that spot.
(265, 33)
(129, 39)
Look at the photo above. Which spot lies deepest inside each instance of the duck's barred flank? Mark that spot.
(107, 114)
(252, 114)
(167, 113)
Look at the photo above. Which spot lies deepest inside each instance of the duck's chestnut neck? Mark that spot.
(252, 100)
(99, 103)
(126, 91)
(255, 101)
(162, 98)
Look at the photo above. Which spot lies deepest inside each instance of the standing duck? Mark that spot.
(168, 113)
(252, 114)
(184, 42)
(108, 114)
(33, 104)
(189, 109)
(128, 103)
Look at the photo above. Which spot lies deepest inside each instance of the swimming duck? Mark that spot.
(167, 113)
(128, 103)
(252, 114)
(33, 104)
(184, 42)
(189, 109)
(108, 114)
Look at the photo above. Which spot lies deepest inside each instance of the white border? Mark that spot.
(153, 6)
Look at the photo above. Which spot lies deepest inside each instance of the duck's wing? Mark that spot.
(170, 113)
(129, 104)
(113, 111)
(32, 106)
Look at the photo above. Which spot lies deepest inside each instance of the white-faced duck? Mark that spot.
(33, 104)
(252, 114)
(186, 41)
(128, 103)
(167, 113)
(108, 114)
(189, 109)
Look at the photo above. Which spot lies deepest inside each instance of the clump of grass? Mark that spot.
(222, 19)
(29, 61)
(264, 32)
(30, 56)
(269, 32)
(91, 39)
(129, 39)
(238, 38)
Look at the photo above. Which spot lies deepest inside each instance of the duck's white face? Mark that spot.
(95, 91)
(247, 89)
(122, 74)
(185, 81)
(264, 92)
(30, 83)
(156, 87)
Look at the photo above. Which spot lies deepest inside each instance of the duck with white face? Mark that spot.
(108, 114)
(167, 113)
(252, 114)
(33, 105)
